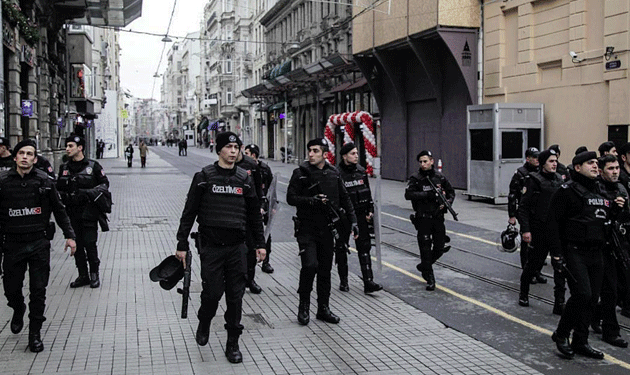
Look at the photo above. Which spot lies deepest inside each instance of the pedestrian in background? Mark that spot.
(607, 148)
(129, 155)
(429, 213)
(223, 200)
(184, 147)
(26, 237)
(6, 158)
(143, 154)
(314, 187)
(576, 232)
(561, 169)
(357, 184)
(81, 182)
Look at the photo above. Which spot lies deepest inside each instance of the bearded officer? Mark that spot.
(222, 198)
(357, 183)
(80, 181)
(27, 198)
(315, 185)
(576, 233)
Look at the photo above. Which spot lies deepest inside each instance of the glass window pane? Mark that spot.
(481, 144)
(512, 145)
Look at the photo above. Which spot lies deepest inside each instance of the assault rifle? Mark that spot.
(185, 290)
(333, 216)
(621, 247)
(440, 193)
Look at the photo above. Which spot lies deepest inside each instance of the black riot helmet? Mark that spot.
(509, 240)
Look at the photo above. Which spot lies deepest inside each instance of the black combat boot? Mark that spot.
(324, 313)
(586, 350)
(523, 300)
(232, 351)
(203, 331)
(558, 307)
(95, 282)
(34, 338)
(17, 322)
(303, 309)
(343, 284)
(562, 343)
(253, 287)
(369, 286)
(438, 253)
(430, 281)
(540, 279)
(266, 267)
(343, 274)
(82, 280)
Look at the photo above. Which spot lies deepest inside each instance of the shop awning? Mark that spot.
(358, 84)
(341, 87)
(273, 107)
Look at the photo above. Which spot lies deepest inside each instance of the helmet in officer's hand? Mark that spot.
(168, 272)
(509, 240)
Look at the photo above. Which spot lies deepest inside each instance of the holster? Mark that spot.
(51, 228)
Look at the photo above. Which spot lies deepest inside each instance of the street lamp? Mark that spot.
(166, 39)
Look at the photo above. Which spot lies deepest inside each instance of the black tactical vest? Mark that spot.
(355, 180)
(24, 202)
(69, 182)
(547, 188)
(588, 226)
(223, 201)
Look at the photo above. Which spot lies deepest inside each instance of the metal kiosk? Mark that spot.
(497, 137)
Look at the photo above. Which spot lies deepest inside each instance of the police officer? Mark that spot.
(314, 188)
(223, 200)
(624, 277)
(27, 198)
(358, 186)
(81, 181)
(576, 232)
(606, 311)
(266, 176)
(607, 148)
(429, 213)
(561, 169)
(514, 197)
(6, 158)
(251, 167)
(532, 215)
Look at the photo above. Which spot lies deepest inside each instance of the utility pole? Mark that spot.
(2, 109)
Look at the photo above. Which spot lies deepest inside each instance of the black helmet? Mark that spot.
(509, 240)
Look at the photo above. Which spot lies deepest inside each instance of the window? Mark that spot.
(229, 32)
(228, 97)
(511, 145)
(481, 144)
(228, 64)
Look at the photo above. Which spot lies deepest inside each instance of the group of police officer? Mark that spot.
(578, 215)
(29, 194)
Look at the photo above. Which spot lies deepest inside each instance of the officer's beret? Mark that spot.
(347, 148)
(584, 157)
(544, 155)
(605, 147)
(580, 150)
(318, 142)
(5, 142)
(80, 141)
(556, 148)
(624, 149)
(532, 152)
(424, 153)
(253, 149)
(168, 272)
(225, 138)
(24, 143)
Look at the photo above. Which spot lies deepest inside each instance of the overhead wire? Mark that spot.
(163, 47)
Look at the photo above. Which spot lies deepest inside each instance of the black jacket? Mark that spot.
(423, 199)
(251, 166)
(534, 207)
(80, 183)
(357, 184)
(516, 187)
(27, 202)
(221, 185)
(301, 194)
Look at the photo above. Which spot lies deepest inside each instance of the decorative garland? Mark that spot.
(12, 13)
(367, 130)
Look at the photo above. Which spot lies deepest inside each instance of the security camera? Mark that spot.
(573, 55)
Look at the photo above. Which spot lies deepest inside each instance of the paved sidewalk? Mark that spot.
(131, 326)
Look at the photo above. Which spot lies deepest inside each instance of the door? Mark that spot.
(511, 156)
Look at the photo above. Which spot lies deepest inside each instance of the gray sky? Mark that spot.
(141, 53)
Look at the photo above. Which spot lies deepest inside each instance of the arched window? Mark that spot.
(228, 64)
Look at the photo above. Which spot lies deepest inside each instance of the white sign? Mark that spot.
(107, 125)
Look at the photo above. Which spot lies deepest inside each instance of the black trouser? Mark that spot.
(87, 252)
(129, 160)
(431, 231)
(606, 310)
(363, 245)
(35, 255)
(268, 249)
(524, 252)
(623, 286)
(223, 269)
(143, 161)
(586, 265)
(185, 151)
(316, 252)
(251, 256)
(537, 253)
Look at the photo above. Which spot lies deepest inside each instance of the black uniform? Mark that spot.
(606, 310)
(266, 177)
(576, 232)
(44, 165)
(6, 163)
(623, 278)
(563, 171)
(25, 207)
(314, 236)
(225, 205)
(251, 167)
(357, 184)
(514, 197)
(129, 155)
(429, 218)
(533, 212)
(80, 184)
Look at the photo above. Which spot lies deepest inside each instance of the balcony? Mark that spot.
(116, 13)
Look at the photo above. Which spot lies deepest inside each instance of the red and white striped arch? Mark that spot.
(367, 130)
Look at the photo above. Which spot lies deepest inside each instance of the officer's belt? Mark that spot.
(23, 237)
